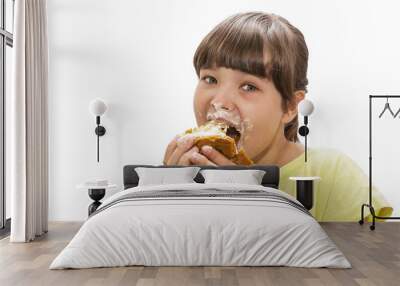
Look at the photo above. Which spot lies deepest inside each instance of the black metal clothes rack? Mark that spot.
(369, 205)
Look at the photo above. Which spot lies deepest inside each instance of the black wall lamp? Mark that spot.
(97, 107)
(306, 107)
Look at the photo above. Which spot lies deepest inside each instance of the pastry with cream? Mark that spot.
(222, 137)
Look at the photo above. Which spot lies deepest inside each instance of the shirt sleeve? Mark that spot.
(349, 190)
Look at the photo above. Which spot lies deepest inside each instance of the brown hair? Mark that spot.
(239, 42)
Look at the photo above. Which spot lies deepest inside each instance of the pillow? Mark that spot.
(249, 177)
(162, 175)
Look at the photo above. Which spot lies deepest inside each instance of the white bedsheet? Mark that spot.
(200, 231)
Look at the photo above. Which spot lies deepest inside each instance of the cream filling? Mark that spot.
(209, 129)
(218, 124)
(206, 133)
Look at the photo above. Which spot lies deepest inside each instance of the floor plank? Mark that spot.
(374, 255)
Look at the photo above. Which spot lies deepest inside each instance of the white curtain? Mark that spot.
(28, 122)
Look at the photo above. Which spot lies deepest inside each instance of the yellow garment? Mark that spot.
(342, 189)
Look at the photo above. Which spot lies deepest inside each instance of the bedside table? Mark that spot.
(305, 190)
(96, 193)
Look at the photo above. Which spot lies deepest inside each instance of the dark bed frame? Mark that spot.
(270, 179)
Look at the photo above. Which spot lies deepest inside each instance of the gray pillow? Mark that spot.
(162, 176)
(249, 177)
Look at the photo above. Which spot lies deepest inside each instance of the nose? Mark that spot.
(219, 105)
(223, 100)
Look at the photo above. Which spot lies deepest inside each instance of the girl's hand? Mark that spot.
(209, 156)
(179, 151)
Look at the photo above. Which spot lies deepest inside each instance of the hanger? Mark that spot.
(387, 106)
(398, 111)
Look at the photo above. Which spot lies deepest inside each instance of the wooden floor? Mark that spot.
(374, 255)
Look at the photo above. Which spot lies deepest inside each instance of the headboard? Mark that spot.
(270, 179)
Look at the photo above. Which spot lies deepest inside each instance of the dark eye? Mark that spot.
(209, 79)
(249, 87)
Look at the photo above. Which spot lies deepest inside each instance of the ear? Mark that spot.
(292, 111)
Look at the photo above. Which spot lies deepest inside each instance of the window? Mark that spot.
(6, 44)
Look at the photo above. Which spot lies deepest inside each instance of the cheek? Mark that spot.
(262, 116)
(201, 103)
(264, 120)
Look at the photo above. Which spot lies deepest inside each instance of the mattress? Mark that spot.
(201, 225)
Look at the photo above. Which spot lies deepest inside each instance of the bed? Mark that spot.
(201, 224)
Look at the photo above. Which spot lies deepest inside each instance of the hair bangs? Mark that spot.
(235, 46)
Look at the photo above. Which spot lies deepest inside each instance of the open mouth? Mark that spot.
(224, 135)
(233, 133)
(231, 130)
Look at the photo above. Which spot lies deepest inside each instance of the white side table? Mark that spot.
(96, 193)
(305, 190)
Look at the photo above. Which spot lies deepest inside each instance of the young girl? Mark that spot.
(252, 71)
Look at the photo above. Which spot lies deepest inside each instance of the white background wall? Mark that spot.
(137, 56)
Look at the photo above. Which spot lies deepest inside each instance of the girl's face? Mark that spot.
(251, 103)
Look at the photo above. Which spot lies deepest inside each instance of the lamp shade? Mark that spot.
(306, 107)
(97, 107)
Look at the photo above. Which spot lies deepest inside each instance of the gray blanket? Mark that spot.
(201, 224)
(205, 193)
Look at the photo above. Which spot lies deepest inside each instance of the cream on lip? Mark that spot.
(233, 119)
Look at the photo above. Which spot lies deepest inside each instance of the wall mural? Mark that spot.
(252, 75)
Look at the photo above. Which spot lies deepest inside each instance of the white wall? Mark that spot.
(137, 56)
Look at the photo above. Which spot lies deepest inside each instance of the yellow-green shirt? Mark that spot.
(342, 189)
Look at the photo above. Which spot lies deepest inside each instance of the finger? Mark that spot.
(170, 149)
(185, 159)
(199, 159)
(183, 145)
(215, 156)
